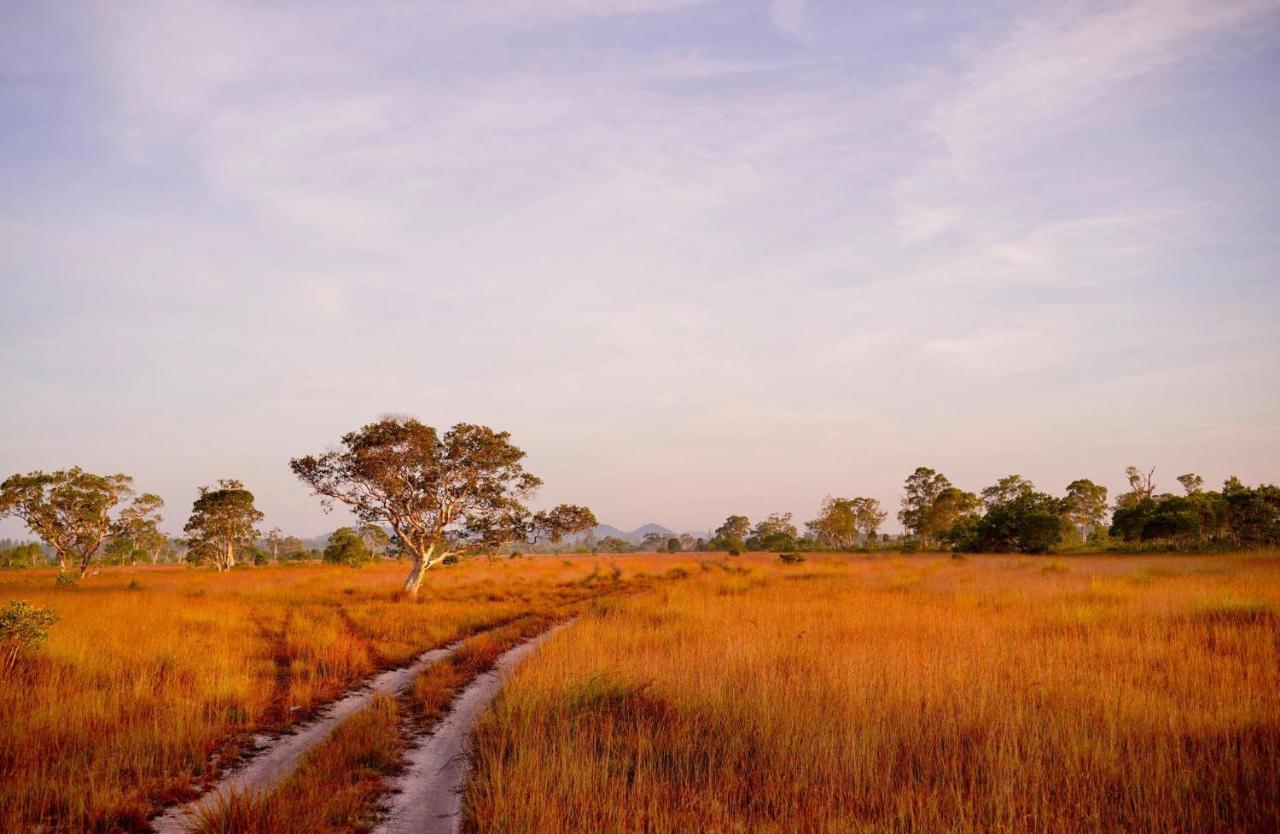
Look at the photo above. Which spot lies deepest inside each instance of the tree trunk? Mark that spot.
(422, 562)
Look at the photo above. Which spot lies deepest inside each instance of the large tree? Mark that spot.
(1085, 505)
(920, 491)
(70, 510)
(223, 522)
(836, 525)
(732, 535)
(441, 494)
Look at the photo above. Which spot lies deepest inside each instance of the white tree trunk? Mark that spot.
(422, 562)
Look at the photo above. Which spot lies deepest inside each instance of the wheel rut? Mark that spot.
(427, 797)
(280, 756)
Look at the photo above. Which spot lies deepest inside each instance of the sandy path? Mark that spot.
(280, 757)
(429, 798)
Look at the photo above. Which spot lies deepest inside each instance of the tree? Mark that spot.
(774, 533)
(951, 510)
(1191, 482)
(1017, 518)
(1142, 487)
(868, 517)
(673, 545)
(136, 533)
(69, 510)
(613, 544)
(1085, 505)
(837, 525)
(731, 535)
(274, 537)
(222, 523)
(920, 494)
(560, 521)
(653, 541)
(347, 547)
(1006, 490)
(441, 495)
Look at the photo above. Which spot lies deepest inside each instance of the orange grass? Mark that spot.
(848, 694)
(338, 783)
(157, 676)
(334, 787)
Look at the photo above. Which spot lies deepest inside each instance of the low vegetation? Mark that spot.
(157, 676)
(902, 694)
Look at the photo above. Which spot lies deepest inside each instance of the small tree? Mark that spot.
(1191, 483)
(137, 533)
(23, 627)
(440, 494)
(222, 522)
(274, 536)
(673, 545)
(70, 510)
(347, 547)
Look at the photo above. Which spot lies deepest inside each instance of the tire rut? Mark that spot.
(279, 757)
(427, 797)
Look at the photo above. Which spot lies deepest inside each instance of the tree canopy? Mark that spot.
(70, 510)
(441, 494)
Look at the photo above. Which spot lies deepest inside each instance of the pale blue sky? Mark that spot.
(699, 257)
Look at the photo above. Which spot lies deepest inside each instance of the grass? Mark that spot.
(915, 694)
(156, 677)
(339, 782)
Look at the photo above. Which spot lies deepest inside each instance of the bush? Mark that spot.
(451, 559)
(23, 627)
(66, 580)
(733, 551)
(791, 557)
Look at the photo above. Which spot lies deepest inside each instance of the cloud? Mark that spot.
(791, 17)
(1056, 72)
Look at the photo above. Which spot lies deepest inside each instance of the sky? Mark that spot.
(699, 257)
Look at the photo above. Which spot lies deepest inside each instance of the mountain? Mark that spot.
(637, 535)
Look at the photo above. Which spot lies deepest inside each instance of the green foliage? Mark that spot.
(66, 580)
(22, 556)
(222, 523)
(673, 545)
(347, 547)
(789, 558)
(1018, 518)
(70, 510)
(1238, 516)
(23, 628)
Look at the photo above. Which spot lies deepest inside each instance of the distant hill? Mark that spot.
(637, 535)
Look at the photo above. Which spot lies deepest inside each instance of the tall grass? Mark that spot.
(157, 677)
(908, 694)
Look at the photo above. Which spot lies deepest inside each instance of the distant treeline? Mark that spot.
(1008, 516)
(1011, 516)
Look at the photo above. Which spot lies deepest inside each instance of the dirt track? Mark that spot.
(429, 793)
(280, 756)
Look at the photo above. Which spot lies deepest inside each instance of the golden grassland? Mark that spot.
(922, 693)
(339, 783)
(156, 676)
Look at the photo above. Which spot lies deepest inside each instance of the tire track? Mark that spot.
(280, 757)
(428, 797)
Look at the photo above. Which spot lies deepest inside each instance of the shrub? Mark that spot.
(66, 580)
(791, 558)
(23, 627)
(733, 551)
(451, 559)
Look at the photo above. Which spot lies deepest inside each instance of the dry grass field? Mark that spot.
(156, 675)
(846, 693)
(919, 693)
